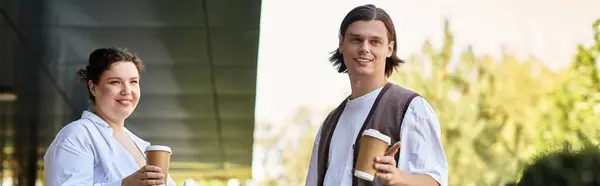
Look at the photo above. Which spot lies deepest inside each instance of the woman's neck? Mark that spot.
(118, 126)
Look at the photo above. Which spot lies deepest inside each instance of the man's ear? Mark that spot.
(390, 48)
(92, 87)
(341, 40)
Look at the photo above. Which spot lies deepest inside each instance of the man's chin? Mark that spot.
(362, 73)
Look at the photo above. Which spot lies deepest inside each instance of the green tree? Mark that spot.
(573, 112)
(485, 106)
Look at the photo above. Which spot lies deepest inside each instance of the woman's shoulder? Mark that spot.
(75, 136)
(79, 129)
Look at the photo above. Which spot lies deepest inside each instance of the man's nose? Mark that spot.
(364, 47)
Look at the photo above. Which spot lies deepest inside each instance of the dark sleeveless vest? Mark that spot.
(386, 116)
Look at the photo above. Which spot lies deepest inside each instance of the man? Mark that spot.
(367, 52)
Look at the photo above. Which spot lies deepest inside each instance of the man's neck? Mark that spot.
(363, 85)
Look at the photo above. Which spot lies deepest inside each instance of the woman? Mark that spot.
(97, 149)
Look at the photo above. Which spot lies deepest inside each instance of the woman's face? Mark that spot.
(118, 91)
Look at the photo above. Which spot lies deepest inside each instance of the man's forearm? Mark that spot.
(417, 180)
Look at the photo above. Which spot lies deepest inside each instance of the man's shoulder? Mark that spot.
(398, 89)
(331, 113)
(399, 95)
(337, 108)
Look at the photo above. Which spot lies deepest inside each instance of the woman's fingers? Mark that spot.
(152, 175)
(150, 168)
(153, 182)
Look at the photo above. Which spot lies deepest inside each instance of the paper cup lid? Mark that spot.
(158, 148)
(377, 134)
(363, 175)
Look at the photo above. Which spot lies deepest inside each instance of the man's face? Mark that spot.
(365, 47)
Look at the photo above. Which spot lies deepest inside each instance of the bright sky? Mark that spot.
(297, 35)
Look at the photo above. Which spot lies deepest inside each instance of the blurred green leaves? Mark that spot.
(496, 113)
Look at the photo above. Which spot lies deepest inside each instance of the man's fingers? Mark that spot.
(385, 160)
(393, 150)
(385, 177)
(384, 168)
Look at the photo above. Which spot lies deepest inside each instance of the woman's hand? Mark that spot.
(147, 175)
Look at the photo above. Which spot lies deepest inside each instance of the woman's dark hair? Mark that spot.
(100, 61)
(368, 12)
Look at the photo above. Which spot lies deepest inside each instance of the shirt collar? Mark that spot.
(94, 118)
(99, 121)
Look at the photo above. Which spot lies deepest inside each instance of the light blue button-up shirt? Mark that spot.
(85, 153)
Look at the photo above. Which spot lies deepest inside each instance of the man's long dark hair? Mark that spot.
(368, 13)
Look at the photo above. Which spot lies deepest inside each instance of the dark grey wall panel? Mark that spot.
(116, 13)
(153, 45)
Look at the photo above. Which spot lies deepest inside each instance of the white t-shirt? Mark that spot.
(421, 150)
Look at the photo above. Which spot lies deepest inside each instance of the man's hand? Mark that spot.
(387, 170)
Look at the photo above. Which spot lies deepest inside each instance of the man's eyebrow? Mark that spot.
(377, 37)
(360, 36)
(354, 35)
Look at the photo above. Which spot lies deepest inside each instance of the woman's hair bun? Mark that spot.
(82, 74)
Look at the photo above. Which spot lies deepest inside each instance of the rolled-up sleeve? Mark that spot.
(421, 149)
(69, 162)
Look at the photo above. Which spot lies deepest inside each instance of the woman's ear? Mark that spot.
(92, 87)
